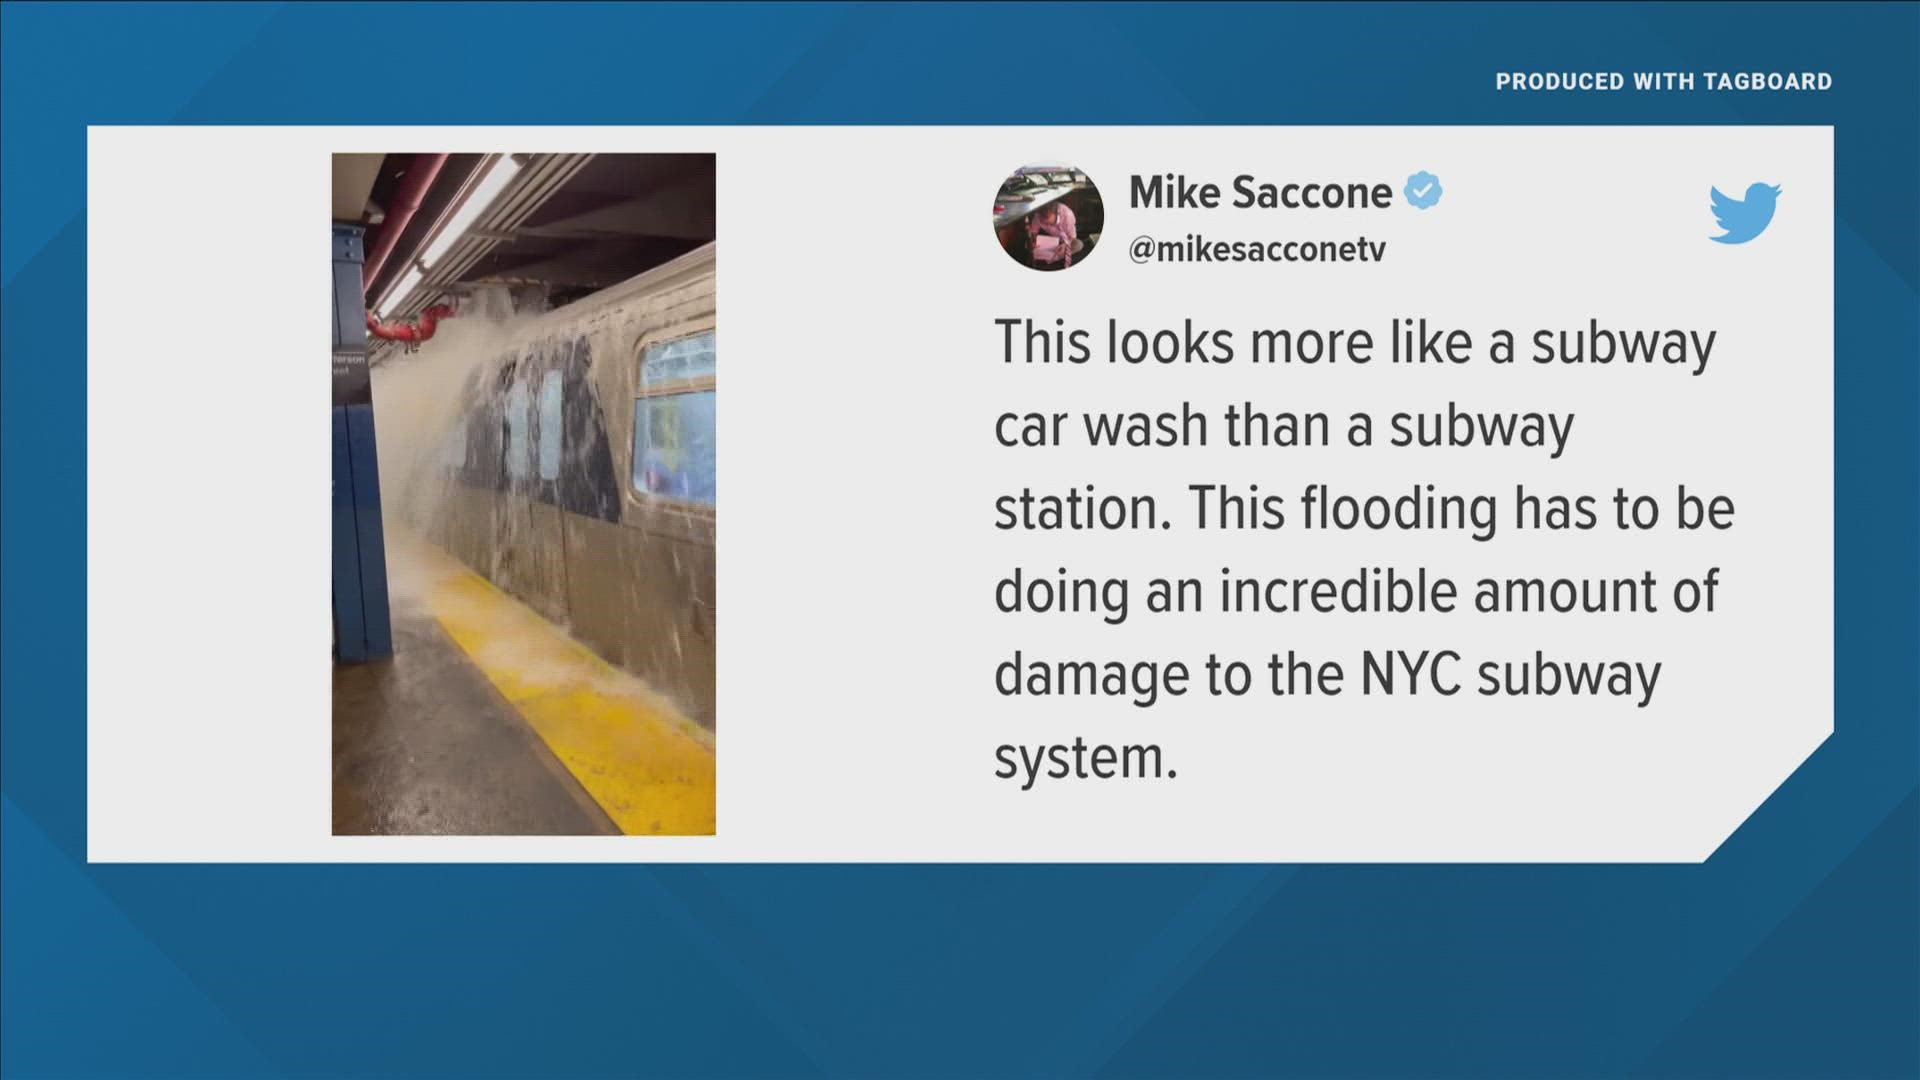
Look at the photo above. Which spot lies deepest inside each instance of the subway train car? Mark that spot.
(578, 475)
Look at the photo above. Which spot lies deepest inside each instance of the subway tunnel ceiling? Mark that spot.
(617, 216)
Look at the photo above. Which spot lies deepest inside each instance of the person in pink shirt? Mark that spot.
(1053, 236)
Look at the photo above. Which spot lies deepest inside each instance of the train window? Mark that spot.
(673, 446)
(550, 426)
(453, 450)
(673, 361)
(589, 483)
(519, 419)
(673, 420)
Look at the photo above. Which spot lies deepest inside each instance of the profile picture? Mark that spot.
(1048, 217)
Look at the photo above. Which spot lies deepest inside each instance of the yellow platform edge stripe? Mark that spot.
(650, 768)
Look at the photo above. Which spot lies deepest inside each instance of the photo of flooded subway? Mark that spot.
(525, 498)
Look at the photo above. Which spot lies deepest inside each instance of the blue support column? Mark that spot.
(362, 629)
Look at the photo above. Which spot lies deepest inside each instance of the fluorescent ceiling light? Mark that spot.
(400, 291)
(483, 194)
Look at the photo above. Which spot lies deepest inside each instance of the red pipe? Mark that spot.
(415, 332)
(404, 204)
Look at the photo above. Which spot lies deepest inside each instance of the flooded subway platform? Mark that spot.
(544, 404)
(423, 744)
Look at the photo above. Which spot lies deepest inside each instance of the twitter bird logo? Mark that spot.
(1744, 220)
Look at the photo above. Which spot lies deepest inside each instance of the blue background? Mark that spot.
(1792, 952)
